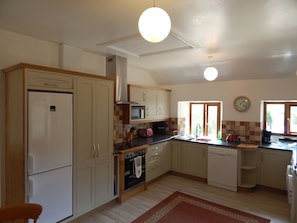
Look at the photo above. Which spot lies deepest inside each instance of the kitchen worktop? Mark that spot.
(216, 142)
(141, 141)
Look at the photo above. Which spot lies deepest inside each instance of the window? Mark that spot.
(205, 119)
(280, 117)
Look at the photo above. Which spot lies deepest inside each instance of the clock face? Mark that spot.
(241, 103)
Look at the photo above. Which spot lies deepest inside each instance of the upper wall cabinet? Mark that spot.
(156, 101)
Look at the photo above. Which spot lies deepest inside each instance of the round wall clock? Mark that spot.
(241, 103)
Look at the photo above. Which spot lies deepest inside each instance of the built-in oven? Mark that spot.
(134, 168)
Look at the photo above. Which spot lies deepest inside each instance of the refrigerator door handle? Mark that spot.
(30, 163)
(30, 188)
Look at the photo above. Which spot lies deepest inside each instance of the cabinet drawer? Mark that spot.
(154, 151)
(49, 80)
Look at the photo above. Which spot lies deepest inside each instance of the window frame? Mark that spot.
(205, 117)
(286, 123)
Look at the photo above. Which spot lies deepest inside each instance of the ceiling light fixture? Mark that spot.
(154, 24)
(210, 73)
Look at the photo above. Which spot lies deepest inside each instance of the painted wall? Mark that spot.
(139, 76)
(256, 90)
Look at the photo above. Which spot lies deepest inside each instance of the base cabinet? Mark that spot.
(194, 159)
(94, 150)
(272, 167)
(176, 152)
(189, 158)
(158, 159)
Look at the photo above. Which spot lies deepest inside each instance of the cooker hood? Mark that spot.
(116, 67)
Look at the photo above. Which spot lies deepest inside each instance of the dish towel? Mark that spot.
(137, 167)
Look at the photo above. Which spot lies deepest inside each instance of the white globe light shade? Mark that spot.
(154, 24)
(210, 73)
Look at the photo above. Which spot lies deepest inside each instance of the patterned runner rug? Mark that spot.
(184, 208)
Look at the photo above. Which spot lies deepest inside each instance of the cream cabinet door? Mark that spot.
(176, 156)
(93, 139)
(272, 167)
(163, 104)
(194, 159)
(166, 157)
(137, 94)
(151, 104)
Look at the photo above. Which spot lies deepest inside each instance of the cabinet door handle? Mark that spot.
(94, 151)
(51, 84)
(98, 150)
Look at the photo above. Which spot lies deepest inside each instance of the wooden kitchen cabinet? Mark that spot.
(194, 159)
(137, 94)
(18, 80)
(93, 126)
(156, 101)
(163, 104)
(176, 155)
(94, 143)
(272, 167)
(158, 160)
(49, 80)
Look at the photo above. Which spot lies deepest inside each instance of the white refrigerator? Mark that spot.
(50, 136)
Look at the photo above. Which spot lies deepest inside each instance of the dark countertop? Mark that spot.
(280, 146)
(141, 141)
(288, 146)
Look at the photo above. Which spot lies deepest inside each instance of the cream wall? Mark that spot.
(139, 76)
(256, 90)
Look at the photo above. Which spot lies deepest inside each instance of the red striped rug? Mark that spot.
(180, 207)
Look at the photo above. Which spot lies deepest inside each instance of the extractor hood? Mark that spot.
(116, 67)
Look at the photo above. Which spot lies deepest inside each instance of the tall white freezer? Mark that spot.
(50, 136)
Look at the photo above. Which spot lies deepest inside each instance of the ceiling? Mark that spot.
(247, 39)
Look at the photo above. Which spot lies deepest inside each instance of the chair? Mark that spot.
(14, 212)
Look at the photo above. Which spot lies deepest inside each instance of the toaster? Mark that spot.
(145, 132)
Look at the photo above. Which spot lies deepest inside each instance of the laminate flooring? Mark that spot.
(267, 204)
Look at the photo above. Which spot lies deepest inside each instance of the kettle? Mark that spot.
(232, 136)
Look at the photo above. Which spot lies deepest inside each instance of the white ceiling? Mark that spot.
(251, 39)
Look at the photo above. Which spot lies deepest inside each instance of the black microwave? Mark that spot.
(137, 112)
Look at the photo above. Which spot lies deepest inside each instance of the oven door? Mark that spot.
(131, 179)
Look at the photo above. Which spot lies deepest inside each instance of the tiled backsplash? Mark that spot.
(121, 129)
(248, 131)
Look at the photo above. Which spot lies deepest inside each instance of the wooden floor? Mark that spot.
(266, 204)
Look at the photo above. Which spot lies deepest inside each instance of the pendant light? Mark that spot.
(210, 73)
(154, 24)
